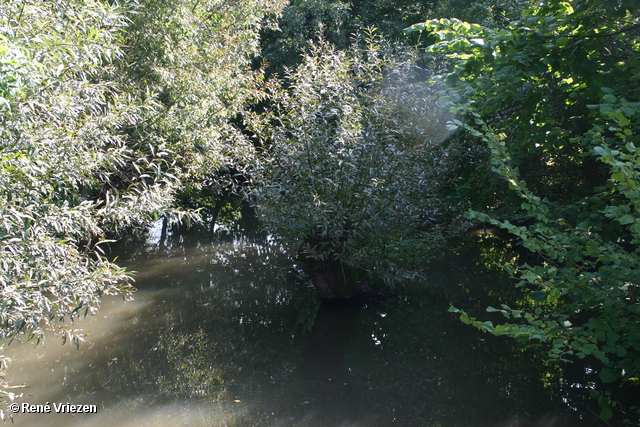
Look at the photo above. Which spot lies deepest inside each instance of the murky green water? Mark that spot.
(220, 333)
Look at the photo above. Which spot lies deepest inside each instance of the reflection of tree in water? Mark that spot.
(330, 336)
(227, 328)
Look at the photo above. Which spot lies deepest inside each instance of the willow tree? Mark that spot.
(108, 111)
(349, 164)
(193, 58)
(61, 114)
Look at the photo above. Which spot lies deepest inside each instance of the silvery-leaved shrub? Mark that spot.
(349, 163)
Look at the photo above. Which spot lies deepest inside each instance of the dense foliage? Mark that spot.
(304, 22)
(60, 120)
(116, 114)
(351, 162)
(108, 112)
(193, 58)
(555, 96)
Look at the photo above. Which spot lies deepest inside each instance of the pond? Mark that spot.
(223, 332)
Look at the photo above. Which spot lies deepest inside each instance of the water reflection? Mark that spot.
(323, 358)
(221, 334)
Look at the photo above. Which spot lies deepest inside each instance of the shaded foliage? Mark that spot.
(305, 22)
(555, 98)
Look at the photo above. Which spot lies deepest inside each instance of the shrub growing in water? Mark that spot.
(350, 163)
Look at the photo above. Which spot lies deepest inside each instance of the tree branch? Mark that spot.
(615, 33)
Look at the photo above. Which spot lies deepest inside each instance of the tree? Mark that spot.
(109, 111)
(61, 116)
(349, 164)
(193, 58)
(555, 98)
(304, 22)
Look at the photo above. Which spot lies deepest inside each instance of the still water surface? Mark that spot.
(221, 333)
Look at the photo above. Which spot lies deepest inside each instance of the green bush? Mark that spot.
(351, 158)
(558, 90)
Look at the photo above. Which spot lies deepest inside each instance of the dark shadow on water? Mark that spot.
(323, 358)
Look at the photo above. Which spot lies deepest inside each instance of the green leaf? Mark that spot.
(539, 296)
(465, 319)
(416, 27)
(608, 375)
(501, 329)
(606, 414)
(619, 176)
(626, 219)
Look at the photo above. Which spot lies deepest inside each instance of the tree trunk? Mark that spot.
(335, 281)
(331, 279)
